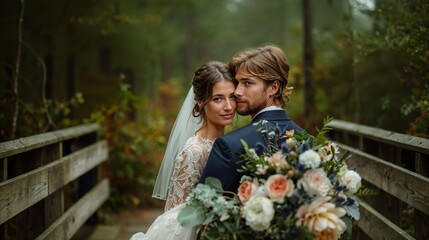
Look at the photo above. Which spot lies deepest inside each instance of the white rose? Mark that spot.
(351, 180)
(258, 212)
(310, 159)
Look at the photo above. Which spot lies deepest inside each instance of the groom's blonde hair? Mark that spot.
(268, 63)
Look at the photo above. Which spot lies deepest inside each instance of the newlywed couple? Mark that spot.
(254, 83)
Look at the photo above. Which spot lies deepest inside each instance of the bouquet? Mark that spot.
(298, 188)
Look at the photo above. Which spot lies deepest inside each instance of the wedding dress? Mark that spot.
(188, 168)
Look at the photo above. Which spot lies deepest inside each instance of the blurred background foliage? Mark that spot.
(128, 65)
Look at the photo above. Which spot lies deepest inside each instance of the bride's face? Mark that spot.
(220, 109)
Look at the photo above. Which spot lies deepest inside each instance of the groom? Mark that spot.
(262, 92)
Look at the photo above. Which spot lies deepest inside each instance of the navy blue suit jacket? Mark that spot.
(225, 154)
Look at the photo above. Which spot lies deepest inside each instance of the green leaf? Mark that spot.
(349, 226)
(214, 183)
(191, 216)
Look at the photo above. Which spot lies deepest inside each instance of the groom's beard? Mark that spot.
(252, 109)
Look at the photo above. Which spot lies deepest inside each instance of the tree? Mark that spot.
(308, 60)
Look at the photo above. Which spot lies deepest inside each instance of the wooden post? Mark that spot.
(54, 203)
(29, 223)
(421, 220)
(89, 179)
(3, 177)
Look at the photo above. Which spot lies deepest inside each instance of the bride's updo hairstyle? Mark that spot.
(205, 77)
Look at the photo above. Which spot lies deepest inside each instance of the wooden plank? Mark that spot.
(76, 164)
(401, 140)
(17, 194)
(377, 226)
(75, 132)
(75, 217)
(20, 145)
(408, 186)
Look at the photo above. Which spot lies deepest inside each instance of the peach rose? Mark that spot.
(322, 218)
(246, 190)
(278, 187)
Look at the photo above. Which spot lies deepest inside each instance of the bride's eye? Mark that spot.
(217, 99)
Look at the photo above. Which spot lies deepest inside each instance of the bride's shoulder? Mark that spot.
(196, 142)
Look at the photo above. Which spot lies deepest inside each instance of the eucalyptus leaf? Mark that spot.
(353, 211)
(191, 216)
(214, 183)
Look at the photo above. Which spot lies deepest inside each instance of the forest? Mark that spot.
(128, 64)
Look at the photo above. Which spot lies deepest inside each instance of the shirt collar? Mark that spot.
(270, 108)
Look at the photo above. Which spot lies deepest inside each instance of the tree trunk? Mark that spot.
(16, 72)
(308, 61)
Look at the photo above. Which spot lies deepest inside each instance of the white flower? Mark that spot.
(261, 169)
(343, 169)
(290, 142)
(258, 212)
(351, 180)
(261, 191)
(253, 154)
(310, 159)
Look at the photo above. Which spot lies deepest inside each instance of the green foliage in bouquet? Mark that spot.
(295, 186)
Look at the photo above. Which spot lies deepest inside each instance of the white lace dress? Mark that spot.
(187, 171)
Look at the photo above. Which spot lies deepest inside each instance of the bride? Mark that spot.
(208, 108)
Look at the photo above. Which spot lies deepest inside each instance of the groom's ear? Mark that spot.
(274, 88)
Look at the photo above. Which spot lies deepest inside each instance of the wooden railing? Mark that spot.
(397, 166)
(49, 183)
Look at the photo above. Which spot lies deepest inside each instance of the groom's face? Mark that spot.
(251, 93)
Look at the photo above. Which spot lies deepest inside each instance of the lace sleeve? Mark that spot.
(187, 171)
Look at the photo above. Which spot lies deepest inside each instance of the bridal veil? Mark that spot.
(184, 127)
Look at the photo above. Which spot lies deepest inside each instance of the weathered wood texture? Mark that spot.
(396, 165)
(35, 172)
(73, 219)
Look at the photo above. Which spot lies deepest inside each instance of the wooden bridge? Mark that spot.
(38, 173)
